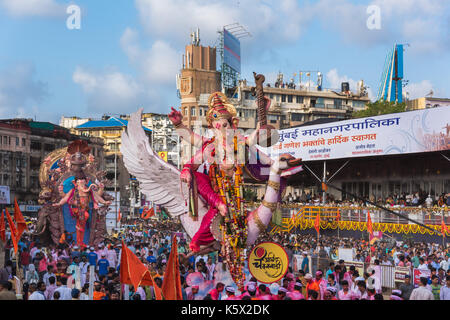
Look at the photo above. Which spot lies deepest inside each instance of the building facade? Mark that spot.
(426, 102)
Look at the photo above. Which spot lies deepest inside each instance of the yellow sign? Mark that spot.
(268, 262)
(163, 155)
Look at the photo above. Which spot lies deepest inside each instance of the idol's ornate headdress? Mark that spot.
(78, 150)
(219, 108)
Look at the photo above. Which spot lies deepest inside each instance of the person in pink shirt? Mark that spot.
(230, 291)
(296, 294)
(217, 292)
(264, 292)
(290, 277)
(321, 282)
(42, 263)
(344, 293)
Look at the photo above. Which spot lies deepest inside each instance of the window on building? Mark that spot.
(24, 142)
(192, 111)
(297, 117)
(338, 103)
(5, 140)
(272, 118)
(17, 141)
(49, 147)
(185, 111)
(35, 145)
(299, 99)
(289, 98)
(320, 103)
(283, 98)
(271, 96)
(200, 111)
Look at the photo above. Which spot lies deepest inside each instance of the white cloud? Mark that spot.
(19, 90)
(420, 89)
(421, 23)
(156, 65)
(272, 20)
(109, 91)
(21, 8)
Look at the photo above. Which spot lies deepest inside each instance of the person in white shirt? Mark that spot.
(64, 292)
(111, 256)
(37, 291)
(429, 201)
(422, 265)
(210, 266)
(422, 293)
(48, 274)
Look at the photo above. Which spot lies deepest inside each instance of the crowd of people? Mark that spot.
(417, 199)
(49, 272)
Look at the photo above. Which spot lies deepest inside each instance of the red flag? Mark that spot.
(338, 217)
(133, 271)
(443, 228)
(317, 224)
(147, 213)
(119, 216)
(13, 229)
(171, 287)
(21, 224)
(3, 227)
(369, 224)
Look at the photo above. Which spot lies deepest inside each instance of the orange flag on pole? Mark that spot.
(13, 229)
(317, 223)
(147, 213)
(369, 224)
(21, 224)
(119, 216)
(3, 227)
(444, 228)
(171, 287)
(338, 217)
(133, 271)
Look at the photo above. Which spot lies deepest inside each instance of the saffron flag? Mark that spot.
(119, 216)
(171, 287)
(13, 229)
(338, 217)
(3, 227)
(317, 223)
(21, 224)
(444, 228)
(147, 213)
(369, 224)
(133, 271)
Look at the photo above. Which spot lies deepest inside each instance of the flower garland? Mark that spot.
(234, 229)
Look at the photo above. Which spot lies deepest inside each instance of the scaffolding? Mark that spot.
(229, 76)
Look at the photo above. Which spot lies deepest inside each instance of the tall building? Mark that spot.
(198, 79)
(24, 144)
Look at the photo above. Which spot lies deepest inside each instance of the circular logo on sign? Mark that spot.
(268, 262)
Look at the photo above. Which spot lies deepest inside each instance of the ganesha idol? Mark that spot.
(74, 203)
(208, 194)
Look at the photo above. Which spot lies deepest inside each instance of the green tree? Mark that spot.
(380, 107)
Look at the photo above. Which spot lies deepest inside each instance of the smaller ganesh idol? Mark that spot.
(79, 192)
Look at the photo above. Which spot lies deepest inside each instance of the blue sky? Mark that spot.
(127, 53)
